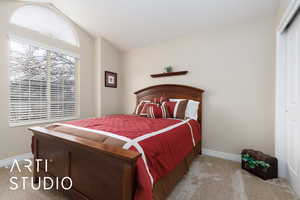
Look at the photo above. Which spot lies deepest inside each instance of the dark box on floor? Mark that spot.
(264, 173)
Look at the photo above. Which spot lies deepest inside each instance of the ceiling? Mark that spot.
(130, 24)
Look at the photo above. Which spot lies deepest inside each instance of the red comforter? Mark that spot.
(164, 143)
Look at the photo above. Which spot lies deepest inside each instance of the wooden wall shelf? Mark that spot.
(169, 74)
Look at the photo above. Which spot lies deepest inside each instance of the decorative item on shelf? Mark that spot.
(259, 164)
(111, 79)
(168, 69)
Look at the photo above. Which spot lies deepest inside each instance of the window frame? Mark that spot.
(20, 39)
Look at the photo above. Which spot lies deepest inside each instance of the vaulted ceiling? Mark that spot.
(132, 24)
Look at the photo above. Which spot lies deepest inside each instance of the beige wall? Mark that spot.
(111, 96)
(108, 58)
(234, 65)
(282, 8)
(14, 141)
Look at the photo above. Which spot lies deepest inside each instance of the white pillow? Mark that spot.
(191, 110)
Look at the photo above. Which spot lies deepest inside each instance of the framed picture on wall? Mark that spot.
(111, 79)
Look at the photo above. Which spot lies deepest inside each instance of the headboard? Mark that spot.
(173, 92)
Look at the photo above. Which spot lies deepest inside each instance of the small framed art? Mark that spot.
(111, 79)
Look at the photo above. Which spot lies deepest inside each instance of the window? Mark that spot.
(34, 18)
(42, 84)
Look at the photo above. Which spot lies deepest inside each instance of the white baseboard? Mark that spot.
(219, 154)
(9, 161)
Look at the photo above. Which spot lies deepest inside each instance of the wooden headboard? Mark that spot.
(173, 92)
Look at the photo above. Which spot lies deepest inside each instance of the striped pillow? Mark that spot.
(192, 107)
(145, 108)
(140, 106)
(157, 111)
(176, 108)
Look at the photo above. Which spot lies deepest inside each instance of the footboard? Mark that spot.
(97, 171)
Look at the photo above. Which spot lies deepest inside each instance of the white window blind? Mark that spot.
(42, 84)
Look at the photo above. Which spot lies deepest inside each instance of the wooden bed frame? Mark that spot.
(98, 171)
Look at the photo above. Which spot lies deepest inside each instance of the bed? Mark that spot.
(121, 157)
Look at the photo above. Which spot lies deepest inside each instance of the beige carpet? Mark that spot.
(208, 179)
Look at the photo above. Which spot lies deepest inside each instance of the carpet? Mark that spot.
(209, 178)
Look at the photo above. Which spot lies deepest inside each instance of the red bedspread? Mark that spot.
(164, 148)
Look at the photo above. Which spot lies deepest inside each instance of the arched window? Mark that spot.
(44, 21)
(43, 79)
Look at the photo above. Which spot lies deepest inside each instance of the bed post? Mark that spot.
(200, 116)
(35, 153)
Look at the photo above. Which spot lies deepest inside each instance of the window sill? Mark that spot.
(11, 125)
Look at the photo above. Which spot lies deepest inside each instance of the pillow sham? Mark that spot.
(145, 108)
(176, 108)
(140, 106)
(159, 100)
(157, 111)
(191, 108)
